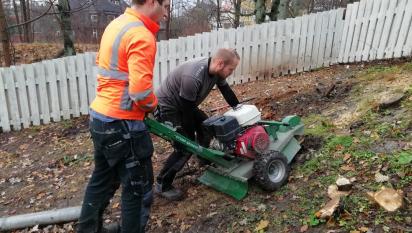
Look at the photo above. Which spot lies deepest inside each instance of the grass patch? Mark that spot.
(363, 155)
(318, 125)
(282, 191)
(335, 163)
(407, 66)
(307, 208)
(407, 101)
(400, 164)
(384, 128)
(34, 129)
(363, 141)
(366, 104)
(69, 160)
(401, 160)
(339, 143)
(404, 158)
(356, 203)
(378, 125)
(327, 179)
(353, 205)
(312, 220)
(380, 69)
(310, 166)
(67, 124)
(373, 186)
(379, 72)
(371, 118)
(324, 158)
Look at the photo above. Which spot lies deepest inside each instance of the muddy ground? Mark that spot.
(47, 167)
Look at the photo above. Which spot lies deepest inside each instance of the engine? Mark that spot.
(224, 131)
(253, 140)
(236, 132)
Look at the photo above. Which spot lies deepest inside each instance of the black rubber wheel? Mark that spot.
(271, 170)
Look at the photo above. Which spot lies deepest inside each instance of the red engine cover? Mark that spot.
(253, 140)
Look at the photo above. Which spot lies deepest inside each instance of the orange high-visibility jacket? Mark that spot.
(125, 67)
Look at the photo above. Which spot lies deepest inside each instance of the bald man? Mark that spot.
(179, 96)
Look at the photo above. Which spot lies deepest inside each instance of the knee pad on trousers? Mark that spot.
(141, 175)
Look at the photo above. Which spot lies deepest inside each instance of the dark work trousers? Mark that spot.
(121, 157)
(178, 158)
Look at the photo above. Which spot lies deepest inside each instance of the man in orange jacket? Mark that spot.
(122, 143)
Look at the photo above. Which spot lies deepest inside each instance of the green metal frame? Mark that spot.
(283, 135)
(168, 133)
(230, 174)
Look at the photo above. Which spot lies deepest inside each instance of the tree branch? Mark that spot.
(83, 7)
(234, 13)
(32, 20)
(291, 12)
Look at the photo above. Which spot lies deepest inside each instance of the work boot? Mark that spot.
(171, 194)
(111, 228)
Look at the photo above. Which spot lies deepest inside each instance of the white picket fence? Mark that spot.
(367, 30)
(49, 90)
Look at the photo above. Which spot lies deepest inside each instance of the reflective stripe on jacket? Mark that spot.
(125, 67)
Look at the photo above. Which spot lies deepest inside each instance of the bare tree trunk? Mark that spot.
(294, 8)
(283, 9)
(64, 9)
(218, 23)
(236, 22)
(274, 10)
(299, 8)
(4, 36)
(168, 24)
(30, 25)
(311, 6)
(260, 11)
(16, 14)
(25, 19)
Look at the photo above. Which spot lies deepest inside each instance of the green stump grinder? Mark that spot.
(243, 147)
